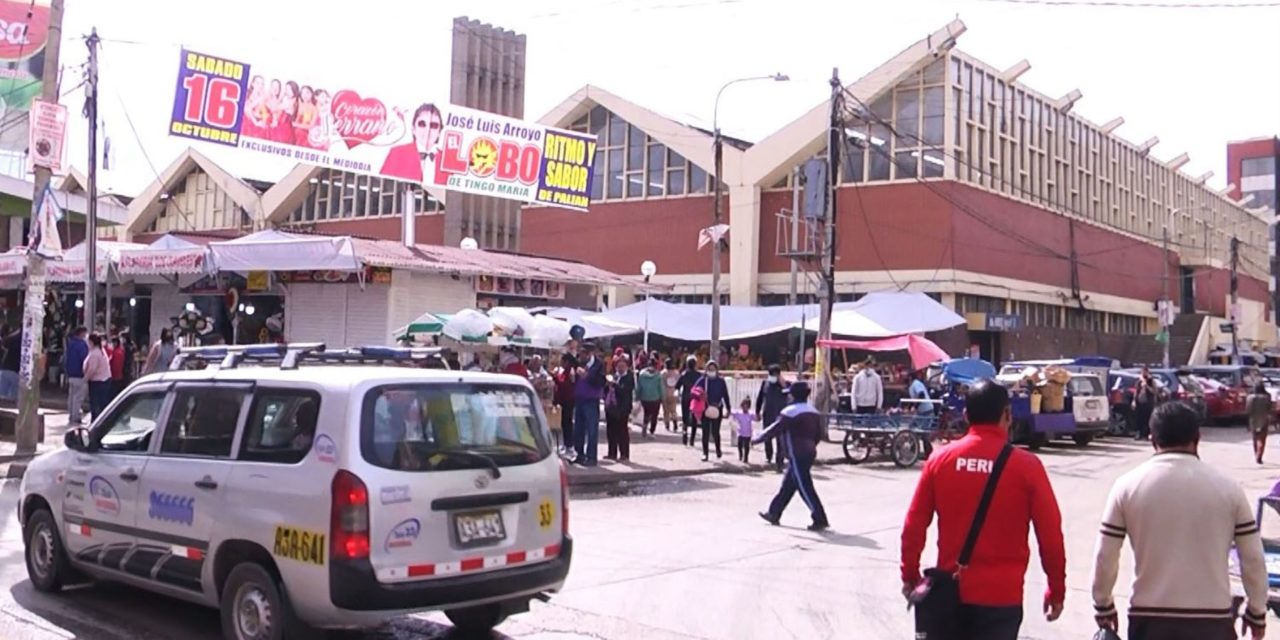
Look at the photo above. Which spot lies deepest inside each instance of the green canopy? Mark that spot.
(427, 324)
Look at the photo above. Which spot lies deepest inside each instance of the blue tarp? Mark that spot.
(967, 370)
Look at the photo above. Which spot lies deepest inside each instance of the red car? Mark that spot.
(1223, 404)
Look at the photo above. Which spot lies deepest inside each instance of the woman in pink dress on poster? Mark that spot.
(255, 110)
(273, 105)
(306, 117)
(283, 130)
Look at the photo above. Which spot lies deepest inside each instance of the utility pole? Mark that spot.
(794, 245)
(1235, 300)
(27, 430)
(715, 246)
(91, 215)
(827, 289)
(1164, 303)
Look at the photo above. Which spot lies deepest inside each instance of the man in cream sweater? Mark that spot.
(1182, 518)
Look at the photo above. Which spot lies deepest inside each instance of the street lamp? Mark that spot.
(647, 269)
(718, 146)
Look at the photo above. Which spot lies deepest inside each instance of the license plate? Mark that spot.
(479, 527)
(1092, 404)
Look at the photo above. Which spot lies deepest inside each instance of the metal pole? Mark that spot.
(1164, 276)
(795, 232)
(827, 293)
(1235, 300)
(646, 315)
(91, 215)
(715, 251)
(27, 431)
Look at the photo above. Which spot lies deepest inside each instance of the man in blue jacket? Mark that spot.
(77, 386)
(587, 392)
(798, 429)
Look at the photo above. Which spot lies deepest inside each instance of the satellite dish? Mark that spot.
(577, 332)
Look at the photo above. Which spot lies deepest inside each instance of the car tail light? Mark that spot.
(564, 500)
(349, 517)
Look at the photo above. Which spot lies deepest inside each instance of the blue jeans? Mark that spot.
(8, 385)
(586, 429)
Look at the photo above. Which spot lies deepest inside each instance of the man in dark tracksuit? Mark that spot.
(769, 403)
(798, 429)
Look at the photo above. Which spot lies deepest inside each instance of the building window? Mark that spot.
(1258, 167)
(630, 164)
(969, 303)
(338, 195)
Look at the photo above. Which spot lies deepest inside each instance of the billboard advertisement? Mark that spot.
(24, 31)
(436, 144)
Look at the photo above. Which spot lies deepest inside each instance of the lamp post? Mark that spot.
(718, 146)
(647, 269)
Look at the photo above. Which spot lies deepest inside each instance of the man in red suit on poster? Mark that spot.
(405, 161)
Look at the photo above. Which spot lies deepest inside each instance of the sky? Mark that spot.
(1194, 77)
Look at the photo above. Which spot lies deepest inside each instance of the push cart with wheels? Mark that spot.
(901, 437)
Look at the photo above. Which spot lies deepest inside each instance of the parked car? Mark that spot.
(1086, 413)
(1223, 405)
(1177, 384)
(1239, 380)
(1120, 390)
(320, 495)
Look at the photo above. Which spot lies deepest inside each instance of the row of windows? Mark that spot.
(1251, 167)
(631, 164)
(196, 203)
(335, 195)
(1036, 314)
(1010, 140)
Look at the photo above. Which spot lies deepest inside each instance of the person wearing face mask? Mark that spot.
(684, 385)
(716, 395)
(769, 403)
(617, 409)
(670, 401)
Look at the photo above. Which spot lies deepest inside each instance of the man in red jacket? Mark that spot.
(951, 485)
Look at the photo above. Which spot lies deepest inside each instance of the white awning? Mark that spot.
(167, 255)
(273, 250)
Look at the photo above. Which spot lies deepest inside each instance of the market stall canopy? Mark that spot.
(167, 255)
(593, 329)
(72, 267)
(273, 250)
(876, 315)
(427, 324)
(922, 350)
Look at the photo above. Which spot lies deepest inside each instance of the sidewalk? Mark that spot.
(12, 465)
(665, 457)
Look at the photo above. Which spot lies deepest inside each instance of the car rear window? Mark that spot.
(1225, 377)
(1085, 386)
(437, 427)
(1190, 385)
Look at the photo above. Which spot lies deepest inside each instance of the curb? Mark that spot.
(596, 481)
(14, 471)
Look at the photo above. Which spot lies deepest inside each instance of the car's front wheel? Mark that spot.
(47, 563)
(476, 621)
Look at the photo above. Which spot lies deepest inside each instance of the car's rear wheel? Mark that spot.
(47, 563)
(476, 621)
(1082, 439)
(254, 607)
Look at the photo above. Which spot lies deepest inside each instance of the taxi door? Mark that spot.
(182, 491)
(102, 482)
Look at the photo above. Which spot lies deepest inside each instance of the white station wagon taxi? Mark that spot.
(319, 492)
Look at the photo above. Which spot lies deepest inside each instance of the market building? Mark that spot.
(1040, 226)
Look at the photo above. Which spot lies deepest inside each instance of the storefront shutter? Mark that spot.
(366, 321)
(316, 313)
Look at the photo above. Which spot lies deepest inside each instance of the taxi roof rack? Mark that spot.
(291, 355)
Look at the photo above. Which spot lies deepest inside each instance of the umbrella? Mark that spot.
(425, 324)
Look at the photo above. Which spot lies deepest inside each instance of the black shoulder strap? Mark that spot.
(984, 504)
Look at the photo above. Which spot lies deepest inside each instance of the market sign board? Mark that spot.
(24, 32)
(520, 287)
(236, 104)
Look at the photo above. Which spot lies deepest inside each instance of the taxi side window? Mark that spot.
(202, 422)
(282, 424)
(129, 429)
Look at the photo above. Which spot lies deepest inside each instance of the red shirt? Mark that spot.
(403, 162)
(951, 486)
(116, 358)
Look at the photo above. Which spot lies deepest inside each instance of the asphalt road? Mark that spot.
(688, 558)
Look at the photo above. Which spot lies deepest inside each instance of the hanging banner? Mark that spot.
(24, 31)
(48, 127)
(437, 145)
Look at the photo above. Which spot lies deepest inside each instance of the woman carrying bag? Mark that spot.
(715, 396)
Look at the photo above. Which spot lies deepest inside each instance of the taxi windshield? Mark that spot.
(430, 427)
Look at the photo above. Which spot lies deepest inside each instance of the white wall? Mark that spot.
(413, 294)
